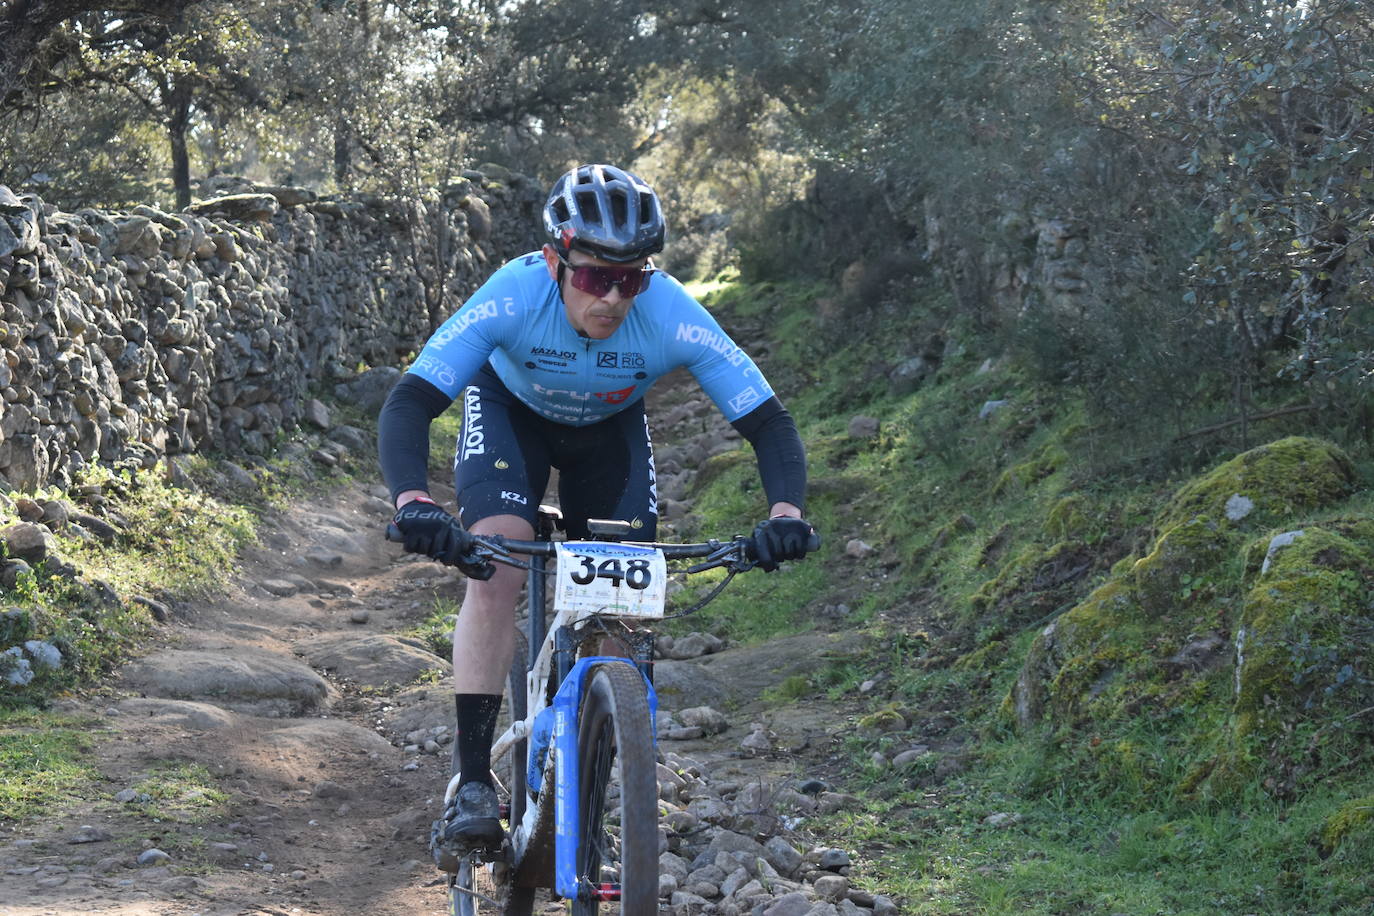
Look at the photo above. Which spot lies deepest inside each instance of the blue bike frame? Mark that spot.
(567, 790)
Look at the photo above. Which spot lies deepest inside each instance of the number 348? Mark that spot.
(634, 573)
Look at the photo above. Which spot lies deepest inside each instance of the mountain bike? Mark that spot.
(580, 766)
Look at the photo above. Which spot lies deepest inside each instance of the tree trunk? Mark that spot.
(178, 103)
(343, 152)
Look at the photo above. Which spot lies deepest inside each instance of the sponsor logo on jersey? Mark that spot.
(464, 319)
(561, 393)
(615, 397)
(437, 371)
(502, 464)
(567, 355)
(514, 498)
(712, 340)
(474, 443)
(653, 475)
(746, 399)
(619, 360)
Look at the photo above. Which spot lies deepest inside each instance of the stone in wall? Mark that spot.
(128, 336)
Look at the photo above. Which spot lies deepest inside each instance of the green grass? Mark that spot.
(185, 793)
(44, 760)
(1072, 854)
(965, 513)
(436, 630)
(172, 543)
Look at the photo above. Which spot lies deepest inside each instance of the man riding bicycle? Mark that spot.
(551, 358)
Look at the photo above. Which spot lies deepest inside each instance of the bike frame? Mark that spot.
(552, 660)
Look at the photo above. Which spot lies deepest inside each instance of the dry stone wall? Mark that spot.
(128, 336)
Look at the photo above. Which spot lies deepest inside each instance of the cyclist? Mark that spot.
(551, 358)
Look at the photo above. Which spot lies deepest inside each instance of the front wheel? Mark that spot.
(617, 853)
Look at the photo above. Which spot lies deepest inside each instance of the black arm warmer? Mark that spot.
(772, 432)
(403, 433)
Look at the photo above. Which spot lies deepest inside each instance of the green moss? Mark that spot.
(1068, 518)
(1352, 817)
(985, 658)
(1073, 641)
(887, 719)
(1281, 479)
(1044, 462)
(1182, 560)
(1036, 583)
(1305, 644)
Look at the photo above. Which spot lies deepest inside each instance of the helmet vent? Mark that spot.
(587, 203)
(619, 216)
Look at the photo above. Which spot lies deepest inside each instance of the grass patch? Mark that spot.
(44, 760)
(168, 542)
(185, 793)
(436, 630)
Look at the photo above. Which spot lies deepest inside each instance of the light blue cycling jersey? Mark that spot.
(517, 320)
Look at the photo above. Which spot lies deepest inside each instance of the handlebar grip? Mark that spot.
(751, 550)
(393, 533)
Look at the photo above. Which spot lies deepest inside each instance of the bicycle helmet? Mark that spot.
(606, 212)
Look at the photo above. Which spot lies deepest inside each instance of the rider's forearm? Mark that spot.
(403, 436)
(772, 432)
(784, 510)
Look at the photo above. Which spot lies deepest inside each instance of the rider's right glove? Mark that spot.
(426, 528)
(783, 538)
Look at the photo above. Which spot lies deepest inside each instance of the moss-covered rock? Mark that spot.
(1036, 583)
(1068, 519)
(1154, 642)
(1073, 652)
(1354, 817)
(1305, 648)
(1181, 564)
(1279, 480)
(1044, 462)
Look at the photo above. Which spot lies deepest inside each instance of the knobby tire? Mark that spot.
(617, 832)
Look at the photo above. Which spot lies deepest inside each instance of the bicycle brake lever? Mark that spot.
(734, 555)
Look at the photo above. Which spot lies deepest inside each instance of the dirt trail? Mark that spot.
(290, 691)
(324, 814)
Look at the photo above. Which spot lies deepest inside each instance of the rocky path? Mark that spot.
(282, 750)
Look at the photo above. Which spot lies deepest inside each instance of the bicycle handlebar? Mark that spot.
(739, 553)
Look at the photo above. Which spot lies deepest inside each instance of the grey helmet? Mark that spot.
(606, 212)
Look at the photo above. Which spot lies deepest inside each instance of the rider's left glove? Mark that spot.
(426, 528)
(783, 538)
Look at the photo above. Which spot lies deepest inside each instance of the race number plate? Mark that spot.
(600, 577)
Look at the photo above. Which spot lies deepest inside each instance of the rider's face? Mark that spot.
(597, 317)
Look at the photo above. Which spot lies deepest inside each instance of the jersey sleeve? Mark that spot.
(455, 352)
(724, 371)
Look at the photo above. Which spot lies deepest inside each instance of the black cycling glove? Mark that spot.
(783, 538)
(426, 528)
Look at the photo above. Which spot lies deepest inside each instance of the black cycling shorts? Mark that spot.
(505, 452)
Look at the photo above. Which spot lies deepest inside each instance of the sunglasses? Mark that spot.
(597, 281)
